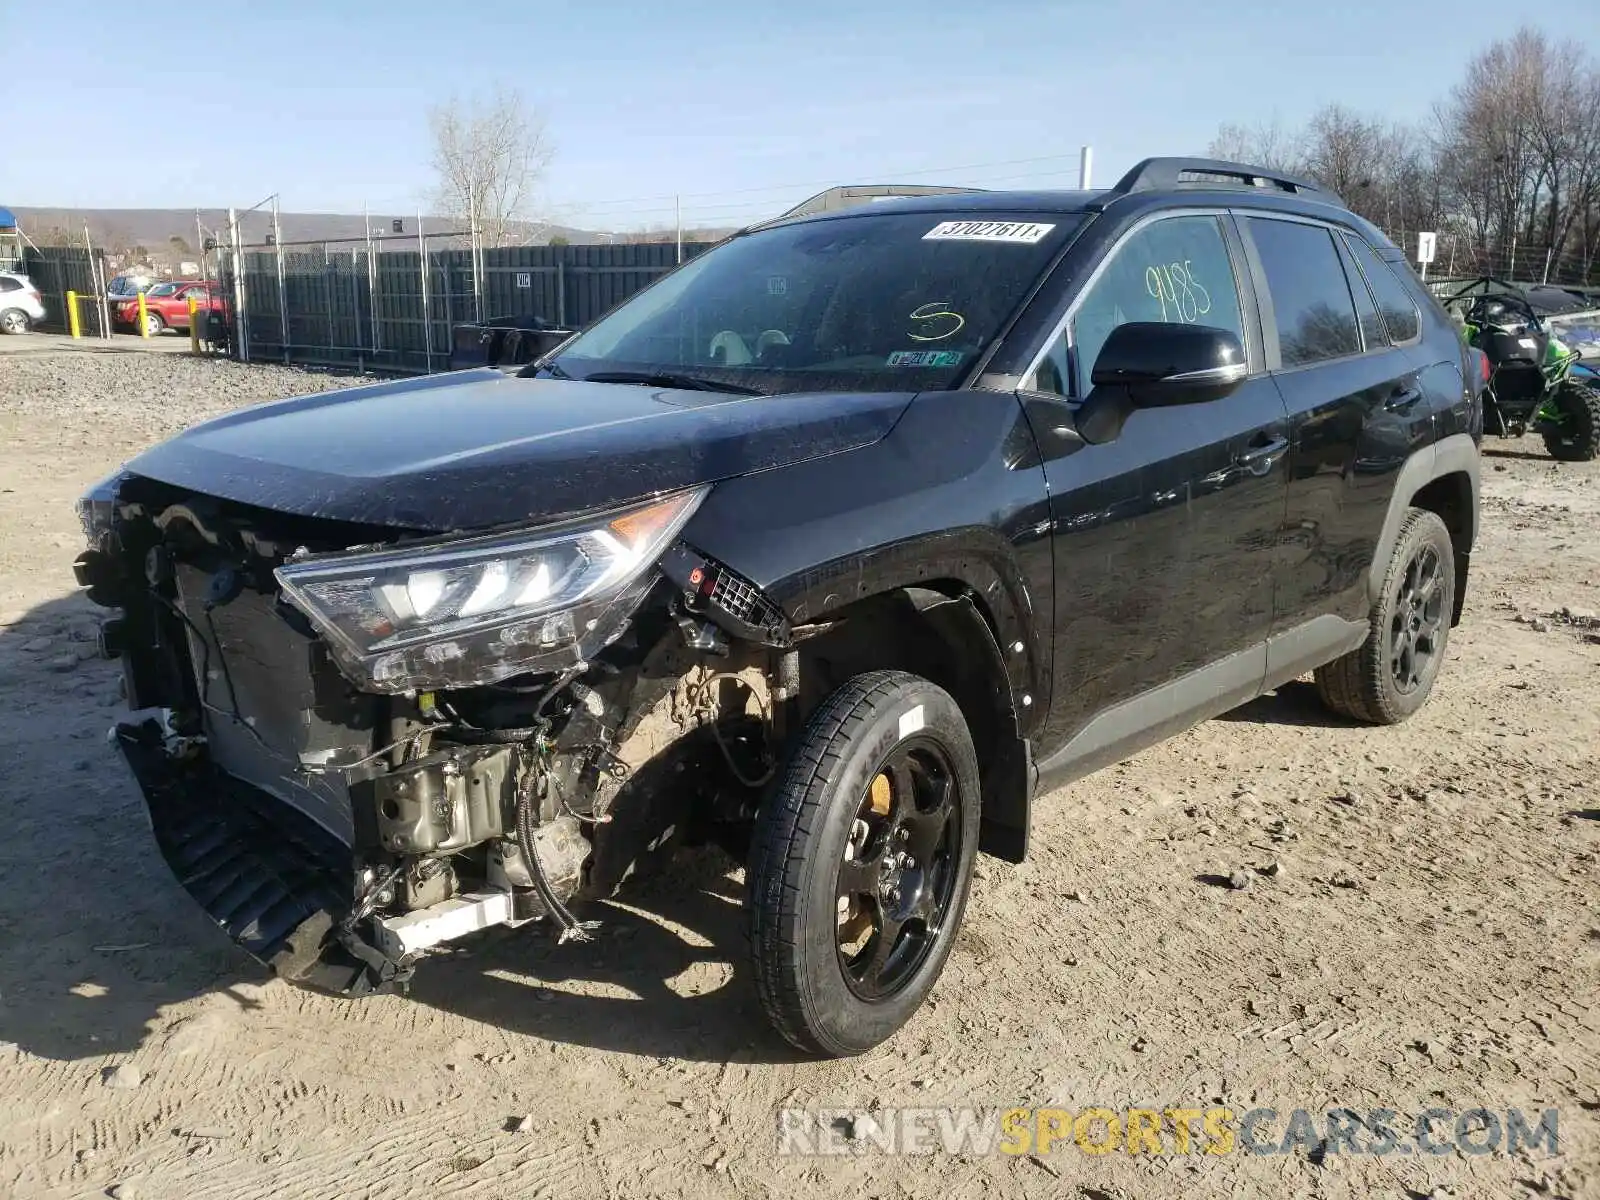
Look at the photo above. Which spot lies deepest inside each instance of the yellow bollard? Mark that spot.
(72, 314)
(144, 330)
(194, 325)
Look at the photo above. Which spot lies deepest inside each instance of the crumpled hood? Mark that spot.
(481, 448)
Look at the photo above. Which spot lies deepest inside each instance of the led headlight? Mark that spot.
(472, 611)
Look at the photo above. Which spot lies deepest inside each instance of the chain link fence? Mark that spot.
(1461, 258)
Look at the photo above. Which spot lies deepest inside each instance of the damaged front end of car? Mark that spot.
(357, 743)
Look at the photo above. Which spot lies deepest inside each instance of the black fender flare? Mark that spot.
(972, 561)
(1453, 455)
(946, 588)
(987, 613)
(1008, 774)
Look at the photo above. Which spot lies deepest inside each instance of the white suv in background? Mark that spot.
(20, 304)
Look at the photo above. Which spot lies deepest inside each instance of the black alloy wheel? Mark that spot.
(897, 877)
(1416, 618)
(1391, 674)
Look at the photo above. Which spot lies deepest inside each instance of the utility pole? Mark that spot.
(475, 245)
(241, 325)
(1086, 168)
(283, 299)
(427, 316)
(677, 215)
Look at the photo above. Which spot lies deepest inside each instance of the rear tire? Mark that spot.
(1577, 439)
(14, 320)
(1390, 675)
(861, 863)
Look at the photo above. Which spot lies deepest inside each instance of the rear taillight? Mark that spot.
(38, 296)
(1484, 369)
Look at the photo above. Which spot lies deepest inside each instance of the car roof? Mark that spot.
(977, 203)
(1153, 183)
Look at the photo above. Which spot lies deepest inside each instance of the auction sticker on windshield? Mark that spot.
(1026, 233)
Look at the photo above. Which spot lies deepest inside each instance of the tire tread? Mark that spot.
(1352, 685)
(775, 907)
(1583, 401)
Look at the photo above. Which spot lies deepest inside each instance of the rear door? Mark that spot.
(1163, 536)
(177, 311)
(1355, 397)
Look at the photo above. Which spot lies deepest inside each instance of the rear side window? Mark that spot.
(1373, 332)
(8, 284)
(1399, 310)
(1316, 317)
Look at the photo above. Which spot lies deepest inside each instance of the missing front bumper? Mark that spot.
(277, 882)
(282, 886)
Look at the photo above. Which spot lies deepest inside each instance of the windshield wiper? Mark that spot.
(671, 379)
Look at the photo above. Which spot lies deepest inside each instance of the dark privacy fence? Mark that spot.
(57, 270)
(346, 304)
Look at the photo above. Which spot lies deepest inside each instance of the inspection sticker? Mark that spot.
(1025, 233)
(925, 358)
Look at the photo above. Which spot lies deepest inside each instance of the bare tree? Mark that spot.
(1509, 166)
(1266, 144)
(1350, 154)
(489, 155)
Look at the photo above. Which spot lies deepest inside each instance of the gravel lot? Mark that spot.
(1430, 937)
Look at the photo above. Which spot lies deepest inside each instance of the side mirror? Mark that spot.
(1158, 363)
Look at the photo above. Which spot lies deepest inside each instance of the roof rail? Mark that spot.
(1155, 173)
(836, 198)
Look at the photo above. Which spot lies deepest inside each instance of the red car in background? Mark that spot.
(167, 305)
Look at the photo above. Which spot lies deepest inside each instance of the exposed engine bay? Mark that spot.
(340, 798)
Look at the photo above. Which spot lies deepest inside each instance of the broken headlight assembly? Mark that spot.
(472, 611)
(97, 507)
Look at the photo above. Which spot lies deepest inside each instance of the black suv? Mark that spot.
(836, 547)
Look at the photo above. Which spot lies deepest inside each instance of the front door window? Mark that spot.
(1175, 269)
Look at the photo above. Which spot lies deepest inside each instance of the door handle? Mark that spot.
(1258, 460)
(1403, 398)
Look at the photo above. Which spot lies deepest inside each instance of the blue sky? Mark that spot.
(740, 107)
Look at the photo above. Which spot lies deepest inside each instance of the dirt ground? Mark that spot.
(1431, 937)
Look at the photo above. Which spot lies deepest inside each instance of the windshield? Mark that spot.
(875, 302)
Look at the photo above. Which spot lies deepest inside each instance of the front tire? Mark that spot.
(861, 863)
(153, 323)
(1391, 674)
(1577, 438)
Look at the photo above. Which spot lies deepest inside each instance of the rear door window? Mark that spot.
(1311, 301)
